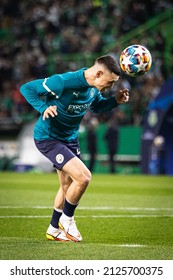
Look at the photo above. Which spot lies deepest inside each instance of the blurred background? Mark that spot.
(40, 38)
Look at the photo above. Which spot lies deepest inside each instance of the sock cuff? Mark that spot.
(58, 210)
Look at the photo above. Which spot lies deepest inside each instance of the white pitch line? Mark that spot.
(122, 245)
(24, 217)
(92, 208)
(128, 216)
(92, 216)
(99, 244)
(127, 245)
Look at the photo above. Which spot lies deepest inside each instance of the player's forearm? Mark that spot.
(105, 105)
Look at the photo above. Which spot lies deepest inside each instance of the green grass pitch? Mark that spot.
(121, 217)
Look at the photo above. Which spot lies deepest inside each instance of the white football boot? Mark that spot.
(56, 234)
(69, 227)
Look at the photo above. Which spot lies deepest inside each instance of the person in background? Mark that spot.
(92, 142)
(111, 137)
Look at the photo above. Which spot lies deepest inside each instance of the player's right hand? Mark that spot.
(50, 111)
(122, 96)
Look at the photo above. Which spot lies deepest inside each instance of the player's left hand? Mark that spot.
(50, 111)
(122, 96)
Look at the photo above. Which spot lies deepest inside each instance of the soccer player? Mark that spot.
(67, 97)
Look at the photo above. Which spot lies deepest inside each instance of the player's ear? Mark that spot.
(99, 73)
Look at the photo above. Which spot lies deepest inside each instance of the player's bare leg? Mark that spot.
(53, 231)
(74, 179)
(81, 177)
(65, 181)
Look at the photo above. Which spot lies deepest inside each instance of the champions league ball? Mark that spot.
(135, 60)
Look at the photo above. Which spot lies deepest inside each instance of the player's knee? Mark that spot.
(85, 178)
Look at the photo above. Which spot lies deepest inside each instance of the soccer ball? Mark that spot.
(135, 60)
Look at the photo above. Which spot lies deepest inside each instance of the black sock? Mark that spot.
(55, 217)
(69, 208)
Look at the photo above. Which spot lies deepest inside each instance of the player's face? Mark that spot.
(105, 80)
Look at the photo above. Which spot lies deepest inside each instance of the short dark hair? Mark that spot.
(111, 63)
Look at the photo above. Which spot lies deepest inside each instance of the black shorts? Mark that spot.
(58, 152)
